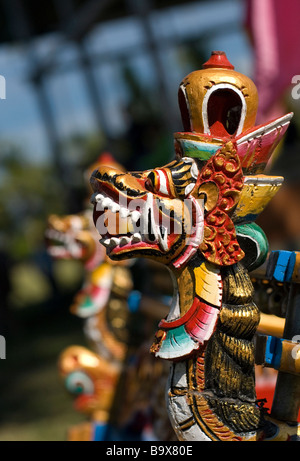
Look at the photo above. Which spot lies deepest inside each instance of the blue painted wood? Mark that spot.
(273, 352)
(281, 265)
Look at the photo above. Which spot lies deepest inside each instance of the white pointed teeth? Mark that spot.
(136, 238)
(110, 242)
(115, 207)
(96, 197)
(124, 241)
(105, 242)
(141, 222)
(121, 241)
(114, 241)
(103, 202)
(106, 202)
(124, 212)
(135, 216)
(55, 235)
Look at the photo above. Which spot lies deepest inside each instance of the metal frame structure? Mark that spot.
(73, 21)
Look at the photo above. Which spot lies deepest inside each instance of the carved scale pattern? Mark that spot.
(222, 398)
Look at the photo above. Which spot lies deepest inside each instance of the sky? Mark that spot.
(20, 116)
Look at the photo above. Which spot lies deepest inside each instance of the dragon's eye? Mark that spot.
(157, 182)
(79, 382)
(150, 183)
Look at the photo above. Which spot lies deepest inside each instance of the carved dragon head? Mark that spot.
(72, 237)
(90, 379)
(205, 202)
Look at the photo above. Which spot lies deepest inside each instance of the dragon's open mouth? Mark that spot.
(151, 214)
(142, 224)
(61, 245)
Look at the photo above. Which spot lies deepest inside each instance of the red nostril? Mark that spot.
(149, 185)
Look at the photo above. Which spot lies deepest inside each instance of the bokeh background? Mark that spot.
(90, 76)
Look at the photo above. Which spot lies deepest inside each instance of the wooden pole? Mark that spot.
(285, 267)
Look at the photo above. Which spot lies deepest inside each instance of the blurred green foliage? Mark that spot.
(28, 194)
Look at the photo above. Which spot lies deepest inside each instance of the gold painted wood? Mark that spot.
(255, 195)
(271, 325)
(208, 283)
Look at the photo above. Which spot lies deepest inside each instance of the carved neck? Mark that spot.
(199, 281)
(213, 285)
(184, 292)
(194, 311)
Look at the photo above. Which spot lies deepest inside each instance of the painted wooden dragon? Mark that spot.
(196, 215)
(118, 357)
